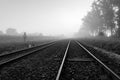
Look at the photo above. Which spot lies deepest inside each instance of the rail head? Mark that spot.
(62, 63)
(98, 60)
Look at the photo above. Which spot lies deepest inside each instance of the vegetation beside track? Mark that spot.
(8, 47)
(109, 44)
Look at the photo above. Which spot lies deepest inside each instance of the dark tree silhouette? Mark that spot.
(93, 20)
(11, 31)
(116, 4)
(1, 33)
(101, 34)
(105, 15)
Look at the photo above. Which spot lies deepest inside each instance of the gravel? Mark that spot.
(38, 66)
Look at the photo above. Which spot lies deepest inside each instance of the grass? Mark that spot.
(10, 46)
(109, 44)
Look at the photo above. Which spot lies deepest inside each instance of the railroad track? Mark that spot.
(9, 57)
(62, 73)
(74, 61)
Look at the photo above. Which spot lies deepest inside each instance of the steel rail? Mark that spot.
(15, 56)
(98, 60)
(62, 63)
(27, 48)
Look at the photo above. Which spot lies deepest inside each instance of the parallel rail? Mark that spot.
(117, 77)
(99, 61)
(19, 54)
(6, 58)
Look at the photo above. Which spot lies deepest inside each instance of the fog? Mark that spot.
(47, 17)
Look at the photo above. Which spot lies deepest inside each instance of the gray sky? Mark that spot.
(50, 17)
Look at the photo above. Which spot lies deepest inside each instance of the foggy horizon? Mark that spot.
(59, 39)
(52, 17)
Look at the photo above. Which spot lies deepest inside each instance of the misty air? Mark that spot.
(59, 39)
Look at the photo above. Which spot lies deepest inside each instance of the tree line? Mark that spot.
(104, 18)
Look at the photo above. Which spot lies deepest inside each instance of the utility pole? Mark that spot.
(25, 37)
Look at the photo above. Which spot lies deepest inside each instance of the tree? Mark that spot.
(106, 7)
(93, 20)
(116, 4)
(11, 31)
(102, 17)
(101, 34)
(1, 33)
